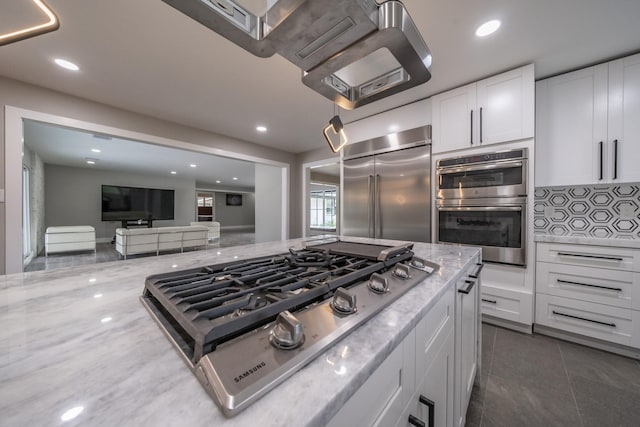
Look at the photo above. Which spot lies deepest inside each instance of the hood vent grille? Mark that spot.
(351, 51)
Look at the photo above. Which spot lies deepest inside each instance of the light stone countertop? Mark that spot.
(595, 241)
(80, 337)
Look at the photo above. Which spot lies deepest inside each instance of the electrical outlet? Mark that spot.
(627, 212)
(549, 212)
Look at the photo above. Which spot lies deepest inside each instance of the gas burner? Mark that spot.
(246, 325)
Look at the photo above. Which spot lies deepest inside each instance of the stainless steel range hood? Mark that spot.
(351, 51)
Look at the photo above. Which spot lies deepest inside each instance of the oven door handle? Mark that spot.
(480, 208)
(490, 166)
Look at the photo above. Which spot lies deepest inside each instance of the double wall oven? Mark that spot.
(482, 201)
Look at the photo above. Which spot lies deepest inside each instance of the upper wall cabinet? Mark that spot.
(587, 127)
(493, 110)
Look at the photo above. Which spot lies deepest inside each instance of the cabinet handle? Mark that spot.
(606, 258)
(601, 147)
(615, 159)
(557, 313)
(471, 127)
(480, 125)
(477, 273)
(470, 285)
(587, 284)
(432, 409)
(490, 301)
(416, 421)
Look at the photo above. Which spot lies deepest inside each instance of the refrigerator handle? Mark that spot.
(371, 205)
(378, 214)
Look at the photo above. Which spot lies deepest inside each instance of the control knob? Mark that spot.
(287, 333)
(343, 302)
(378, 284)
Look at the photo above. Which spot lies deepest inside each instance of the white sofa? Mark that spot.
(69, 239)
(145, 240)
(214, 228)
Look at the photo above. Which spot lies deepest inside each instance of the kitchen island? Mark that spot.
(78, 341)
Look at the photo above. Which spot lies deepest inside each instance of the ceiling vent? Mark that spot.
(351, 51)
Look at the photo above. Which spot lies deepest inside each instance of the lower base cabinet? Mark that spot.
(418, 384)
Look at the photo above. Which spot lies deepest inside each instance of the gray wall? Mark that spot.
(235, 216)
(73, 197)
(22, 95)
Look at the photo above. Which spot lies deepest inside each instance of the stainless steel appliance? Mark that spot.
(245, 326)
(352, 52)
(496, 224)
(387, 187)
(482, 201)
(499, 174)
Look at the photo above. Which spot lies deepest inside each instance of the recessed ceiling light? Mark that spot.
(235, 179)
(173, 172)
(261, 128)
(193, 165)
(217, 182)
(487, 28)
(95, 150)
(67, 65)
(91, 161)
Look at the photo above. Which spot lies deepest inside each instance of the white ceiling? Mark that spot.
(144, 56)
(69, 147)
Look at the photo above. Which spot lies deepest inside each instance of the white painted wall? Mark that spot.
(73, 196)
(269, 212)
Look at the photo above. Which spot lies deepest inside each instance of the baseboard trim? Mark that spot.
(508, 324)
(620, 349)
(249, 228)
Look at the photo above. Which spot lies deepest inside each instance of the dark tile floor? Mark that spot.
(107, 252)
(534, 380)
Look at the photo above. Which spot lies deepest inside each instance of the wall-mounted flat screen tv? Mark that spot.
(234, 199)
(132, 203)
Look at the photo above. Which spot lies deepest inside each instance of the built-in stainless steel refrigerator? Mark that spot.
(387, 187)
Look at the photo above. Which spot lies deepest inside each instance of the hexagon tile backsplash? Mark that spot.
(603, 211)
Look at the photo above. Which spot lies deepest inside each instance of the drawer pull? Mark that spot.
(432, 409)
(607, 258)
(417, 422)
(587, 284)
(477, 273)
(613, 325)
(470, 285)
(490, 301)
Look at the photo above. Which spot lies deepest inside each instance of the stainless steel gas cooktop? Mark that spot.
(245, 326)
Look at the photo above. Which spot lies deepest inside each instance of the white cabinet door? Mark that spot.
(506, 106)
(571, 128)
(452, 121)
(624, 119)
(436, 392)
(467, 315)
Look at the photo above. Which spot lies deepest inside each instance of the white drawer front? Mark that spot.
(590, 256)
(593, 320)
(507, 304)
(597, 285)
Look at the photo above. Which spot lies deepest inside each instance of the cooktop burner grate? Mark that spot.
(213, 304)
